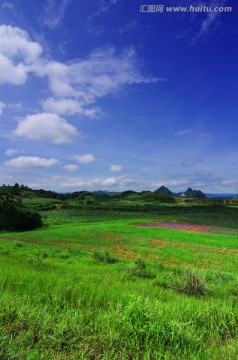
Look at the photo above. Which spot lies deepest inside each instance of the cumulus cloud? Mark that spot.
(85, 159)
(71, 168)
(116, 168)
(15, 42)
(66, 106)
(17, 54)
(47, 126)
(2, 106)
(10, 73)
(31, 162)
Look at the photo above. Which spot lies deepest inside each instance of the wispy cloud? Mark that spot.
(54, 12)
(103, 73)
(104, 6)
(8, 5)
(10, 152)
(70, 168)
(127, 27)
(210, 23)
(78, 84)
(183, 132)
(192, 162)
(204, 136)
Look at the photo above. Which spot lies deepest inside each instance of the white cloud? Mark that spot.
(31, 162)
(71, 168)
(15, 42)
(75, 85)
(65, 106)
(171, 182)
(47, 126)
(84, 159)
(2, 106)
(116, 168)
(103, 73)
(10, 73)
(10, 152)
(17, 54)
(108, 181)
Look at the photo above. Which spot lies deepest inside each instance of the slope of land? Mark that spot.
(90, 284)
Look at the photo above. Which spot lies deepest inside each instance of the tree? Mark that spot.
(14, 216)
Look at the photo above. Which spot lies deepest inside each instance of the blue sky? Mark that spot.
(98, 95)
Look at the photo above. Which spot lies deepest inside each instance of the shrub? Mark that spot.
(190, 284)
(194, 286)
(103, 257)
(140, 270)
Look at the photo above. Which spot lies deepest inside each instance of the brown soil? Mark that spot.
(196, 247)
(109, 236)
(178, 226)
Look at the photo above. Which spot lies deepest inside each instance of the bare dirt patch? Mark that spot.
(110, 236)
(178, 226)
(195, 247)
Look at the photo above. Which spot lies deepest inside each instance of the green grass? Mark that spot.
(95, 286)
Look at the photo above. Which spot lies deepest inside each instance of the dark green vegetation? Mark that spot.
(15, 216)
(90, 284)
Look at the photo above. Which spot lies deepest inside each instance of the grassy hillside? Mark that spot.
(92, 284)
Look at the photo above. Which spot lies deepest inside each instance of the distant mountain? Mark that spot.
(197, 194)
(209, 195)
(106, 192)
(164, 190)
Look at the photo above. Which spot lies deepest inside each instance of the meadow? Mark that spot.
(92, 284)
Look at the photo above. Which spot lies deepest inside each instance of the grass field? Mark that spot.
(92, 284)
